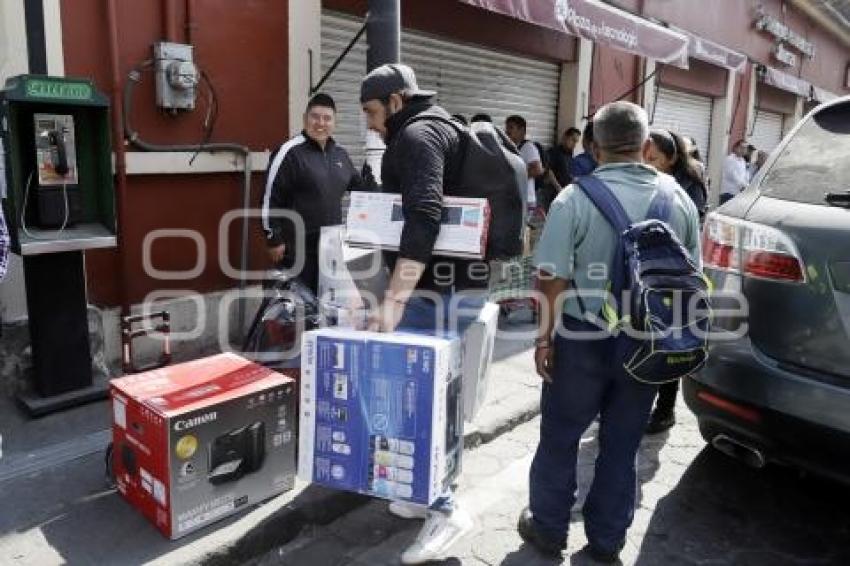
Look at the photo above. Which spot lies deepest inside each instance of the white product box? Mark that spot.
(375, 221)
(381, 414)
(351, 280)
(478, 342)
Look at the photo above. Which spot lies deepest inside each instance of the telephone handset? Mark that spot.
(57, 192)
(60, 164)
(55, 150)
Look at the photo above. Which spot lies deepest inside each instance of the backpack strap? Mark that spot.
(603, 198)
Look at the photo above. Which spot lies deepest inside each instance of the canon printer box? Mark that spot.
(375, 220)
(381, 414)
(196, 442)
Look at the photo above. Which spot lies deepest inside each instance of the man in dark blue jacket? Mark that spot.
(584, 163)
(307, 176)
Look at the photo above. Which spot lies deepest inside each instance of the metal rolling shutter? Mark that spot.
(344, 84)
(767, 131)
(468, 80)
(686, 114)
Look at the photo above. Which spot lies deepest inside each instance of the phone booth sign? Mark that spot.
(59, 201)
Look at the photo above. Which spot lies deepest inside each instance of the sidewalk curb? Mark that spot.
(321, 507)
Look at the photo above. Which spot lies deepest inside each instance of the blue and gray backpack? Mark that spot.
(658, 308)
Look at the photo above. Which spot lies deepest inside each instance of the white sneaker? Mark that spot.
(439, 533)
(407, 510)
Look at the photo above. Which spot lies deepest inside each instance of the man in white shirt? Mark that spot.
(735, 174)
(515, 128)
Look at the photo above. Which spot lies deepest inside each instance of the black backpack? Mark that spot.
(490, 168)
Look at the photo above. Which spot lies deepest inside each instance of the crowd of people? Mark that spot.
(424, 162)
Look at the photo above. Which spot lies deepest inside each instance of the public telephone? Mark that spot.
(57, 193)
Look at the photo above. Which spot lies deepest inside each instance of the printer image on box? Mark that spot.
(381, 414)
(236, 453)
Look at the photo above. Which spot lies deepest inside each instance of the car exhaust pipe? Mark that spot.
(750, 455)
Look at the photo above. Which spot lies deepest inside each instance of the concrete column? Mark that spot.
(53, 38)
(751, 101)
(721, 121)
(650, 87)
(574, 97)
(14, 60)
(305, 36)
(792, 121)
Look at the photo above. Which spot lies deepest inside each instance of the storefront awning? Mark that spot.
(785, 81)
(714, 53)
(600, 23)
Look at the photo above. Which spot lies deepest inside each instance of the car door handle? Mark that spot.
(838, 199)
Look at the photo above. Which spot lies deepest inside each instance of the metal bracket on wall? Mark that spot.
(128, 335)
(352, 43)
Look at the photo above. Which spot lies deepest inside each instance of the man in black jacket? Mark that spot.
(422, 162)
(307, 177)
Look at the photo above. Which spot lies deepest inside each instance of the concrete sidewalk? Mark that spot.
(57, 508)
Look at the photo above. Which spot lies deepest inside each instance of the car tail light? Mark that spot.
(751, 249)
(739, 411)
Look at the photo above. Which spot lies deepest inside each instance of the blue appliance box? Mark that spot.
(381, 414)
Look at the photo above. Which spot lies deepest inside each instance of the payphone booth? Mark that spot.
(59, 202)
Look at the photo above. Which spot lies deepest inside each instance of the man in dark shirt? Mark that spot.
(307, 176)
(561, 157)
(584, 163)
(422, 163)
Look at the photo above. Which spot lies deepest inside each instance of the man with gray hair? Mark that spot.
(576, 252)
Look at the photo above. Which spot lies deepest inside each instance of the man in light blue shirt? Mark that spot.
(575, 253)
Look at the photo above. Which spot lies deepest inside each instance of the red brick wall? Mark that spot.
(613, 74)
(242, 46)
(700, 78)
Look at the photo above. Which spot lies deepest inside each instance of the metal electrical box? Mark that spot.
(176, 76)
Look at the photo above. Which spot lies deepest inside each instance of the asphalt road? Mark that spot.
(697, 506)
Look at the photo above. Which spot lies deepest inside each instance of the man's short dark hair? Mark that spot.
(460, 118)
(572, 131)
(517, 121)
(588, 131)
(482, 118)
(323, 100)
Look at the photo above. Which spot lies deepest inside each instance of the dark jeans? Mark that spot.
(586, 383)
(666, 402)
(433, 315)
(309, 274)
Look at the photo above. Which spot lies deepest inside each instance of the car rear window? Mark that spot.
(815, 162)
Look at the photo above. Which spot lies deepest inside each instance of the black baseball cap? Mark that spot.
(387, 79)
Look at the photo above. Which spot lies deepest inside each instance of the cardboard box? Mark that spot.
(381, 414)
(196, 442)
(375, 221)
(351, 280)
(478, 343)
